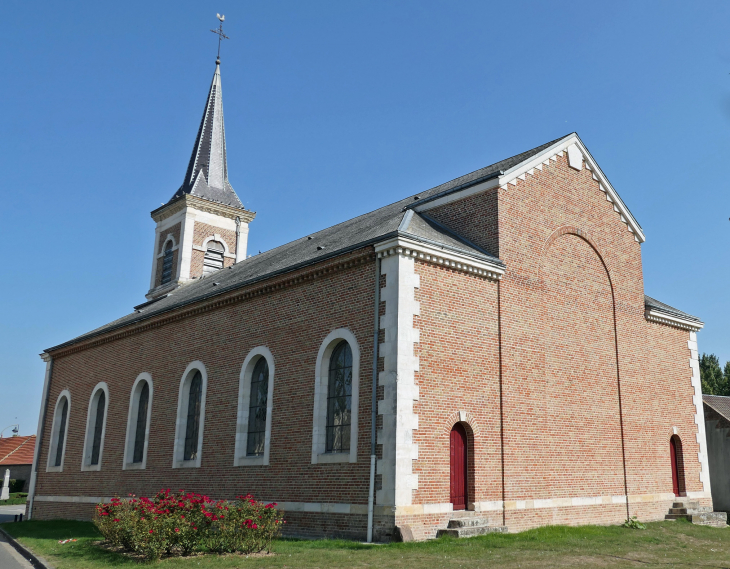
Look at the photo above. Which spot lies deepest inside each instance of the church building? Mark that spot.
(481, 354)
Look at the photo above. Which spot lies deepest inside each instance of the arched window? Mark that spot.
(255, 395)
(95, 427)
(138, 423)
(192, 423)
(190, 417)
(339, 399)
(258, 400)
(336, 396)
(167, 263)
(213, 259)
(59, 432)
(139, 434)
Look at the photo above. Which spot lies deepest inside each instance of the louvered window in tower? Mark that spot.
(167, 264)
(213, 260)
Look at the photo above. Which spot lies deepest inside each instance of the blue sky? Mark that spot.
(334, 109)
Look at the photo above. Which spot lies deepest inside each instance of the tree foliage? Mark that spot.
(715, 381)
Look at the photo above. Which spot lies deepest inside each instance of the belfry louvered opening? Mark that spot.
(213, 260)
(167, 264)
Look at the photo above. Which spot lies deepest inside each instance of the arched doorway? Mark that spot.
(675, 451)
(459, 486)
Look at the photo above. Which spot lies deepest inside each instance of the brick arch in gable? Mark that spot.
(582, 234)
(578, 406)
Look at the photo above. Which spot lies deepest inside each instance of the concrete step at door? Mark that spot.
(467, 522)
(471, 531)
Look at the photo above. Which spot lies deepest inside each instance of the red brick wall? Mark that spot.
(572, 332)
(475, 218)
(458, 370)
(292, 322)
(568, 255)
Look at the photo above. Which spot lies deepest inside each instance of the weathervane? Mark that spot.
(221, 35)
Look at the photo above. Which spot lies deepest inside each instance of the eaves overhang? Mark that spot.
(663, 317)
(438, 254)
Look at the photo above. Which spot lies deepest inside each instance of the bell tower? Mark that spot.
(204, 226)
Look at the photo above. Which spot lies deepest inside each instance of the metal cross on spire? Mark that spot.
(221, 35)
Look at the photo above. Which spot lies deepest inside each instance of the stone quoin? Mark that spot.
(503, 312)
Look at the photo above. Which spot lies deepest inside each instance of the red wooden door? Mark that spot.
(675, 470)
(459, 496)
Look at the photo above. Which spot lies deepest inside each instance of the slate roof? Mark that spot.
(339, 239)
(17, 450)
(719, 404)
(654, 304)
(207, 173)
(390, 221)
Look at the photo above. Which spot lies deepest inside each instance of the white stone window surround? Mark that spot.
(132, 416)
(182, 416)
(55, 426)
(90, 424)
(215, 237)
(321, 383)
(244, 398)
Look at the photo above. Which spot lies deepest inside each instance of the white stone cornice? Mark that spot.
(439, 256)
(190, 201)
(660, 317)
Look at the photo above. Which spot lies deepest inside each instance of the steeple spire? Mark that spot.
(204, 226)
(207, 173)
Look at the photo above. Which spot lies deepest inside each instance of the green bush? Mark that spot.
(183, 523)
(16, 486)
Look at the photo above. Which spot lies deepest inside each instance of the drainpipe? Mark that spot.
(41, 424)
(501, 397)
(374, 404)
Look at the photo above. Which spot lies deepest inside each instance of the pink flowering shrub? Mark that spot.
(183, 523)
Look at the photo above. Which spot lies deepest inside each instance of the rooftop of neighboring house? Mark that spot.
(17, 450)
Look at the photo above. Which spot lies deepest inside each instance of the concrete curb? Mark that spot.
(34, 561)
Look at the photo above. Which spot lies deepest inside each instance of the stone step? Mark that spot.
(685, 511)
(689, 504)
(714, 519)
(467, 522)
(471, 531)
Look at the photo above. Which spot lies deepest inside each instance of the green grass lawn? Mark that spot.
(662, 544)
(15, 498)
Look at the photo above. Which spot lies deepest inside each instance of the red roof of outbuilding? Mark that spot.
(17, 450)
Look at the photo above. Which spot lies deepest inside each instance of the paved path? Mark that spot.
(10, 558)
(8, 513)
